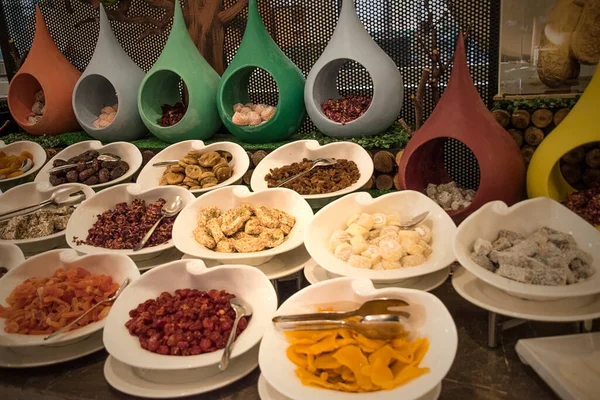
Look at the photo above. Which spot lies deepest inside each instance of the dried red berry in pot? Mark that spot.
(190, 322)
(586, 203)
(346, 109)
(171, 114)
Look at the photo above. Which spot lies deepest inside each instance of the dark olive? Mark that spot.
(72, 176)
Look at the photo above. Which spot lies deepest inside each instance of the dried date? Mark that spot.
(88, 170)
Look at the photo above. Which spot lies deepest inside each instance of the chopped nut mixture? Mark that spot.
(546, 257)
(450, 196)
(171, 115)
(244, 229)
(124, 226)
(320, 180)
(47, 221)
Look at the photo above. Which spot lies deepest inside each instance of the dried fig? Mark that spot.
(177, 168)
(223, 173)
(174, 179)
(193, 171)
(226, 155)
(190, 182)
(209, 180)
(190, 160)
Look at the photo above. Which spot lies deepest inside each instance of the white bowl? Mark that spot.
(525, 218)
(31, 194)
(406, 204)
(150, 176)
(247, 283)
(10, 256)
(311, 149)
(429, 319)
(127, 151)
(14, 149)
(230, 197)
(86, 215)
(44, 265)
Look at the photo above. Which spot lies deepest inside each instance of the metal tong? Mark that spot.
(60, 197)
(375, 319)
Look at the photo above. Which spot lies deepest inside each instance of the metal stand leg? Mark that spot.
(492, 329)
(585, 326)
(298, 281)
(276, 286)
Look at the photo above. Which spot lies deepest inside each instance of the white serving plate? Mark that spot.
(280, 266)
(315, 274)
(230, 197)
(570, 365)
(14, 149)
(175, 384)
(86, 215)
(405, 204)
(31, 194)
(429, 318)
(311, 149)
(39, 356)
(267, 392)
(245, 282)
(44, 265)
(10, 256)
(525, 218)
(150, 176)
(127, 151)
(490, 298)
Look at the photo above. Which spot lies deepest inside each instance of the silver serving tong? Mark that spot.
(61, 197)
(319, 162)
(379, 327)
(100, 158)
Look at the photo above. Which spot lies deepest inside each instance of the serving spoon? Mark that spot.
(242, 309)
(383, 326)
(61, 197)
(319, 162)
(101, 158)
(371, 307)
(110, 299)
(411, 223)
(168, 210)
(25, 166)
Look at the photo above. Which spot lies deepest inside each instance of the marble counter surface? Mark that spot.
(478, 371)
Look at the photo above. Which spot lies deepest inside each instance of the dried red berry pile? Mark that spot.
(124, 226)
(189, 323)
(171, 114)
(586, 204)
(346, 109)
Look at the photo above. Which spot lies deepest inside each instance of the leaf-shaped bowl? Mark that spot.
(14, 149)
(230, 197)
(311, 149)
(247, 283)
(127, 151)
(150, 176)
(44, 265)
(405, 204)
(526, 217)
(10, 256)
(429, 319)
(86, 215)
(33, 193)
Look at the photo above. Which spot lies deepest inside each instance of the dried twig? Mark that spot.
(405, 126)
(4, 125)
(417, 98)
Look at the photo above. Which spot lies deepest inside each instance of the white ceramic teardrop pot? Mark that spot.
(351, 41)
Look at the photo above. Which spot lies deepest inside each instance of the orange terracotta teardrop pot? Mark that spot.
(461, 115)
(48, 69)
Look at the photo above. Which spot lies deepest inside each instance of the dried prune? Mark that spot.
(72, 176)
(92, 180)
(81, 166)
(117, 173)
(54, 180)
(59, 163)
(86, 174)
(109, 164)
(104, 175)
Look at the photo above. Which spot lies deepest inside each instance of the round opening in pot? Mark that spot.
(164, 98)
(96, 101)
(343, 90)
(447, 171)
(27, 99)
(250, 97)
(580, 167)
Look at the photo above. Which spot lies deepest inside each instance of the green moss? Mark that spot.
(534, 104)
(394, 138)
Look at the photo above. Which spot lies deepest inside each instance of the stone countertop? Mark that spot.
(478, 371)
